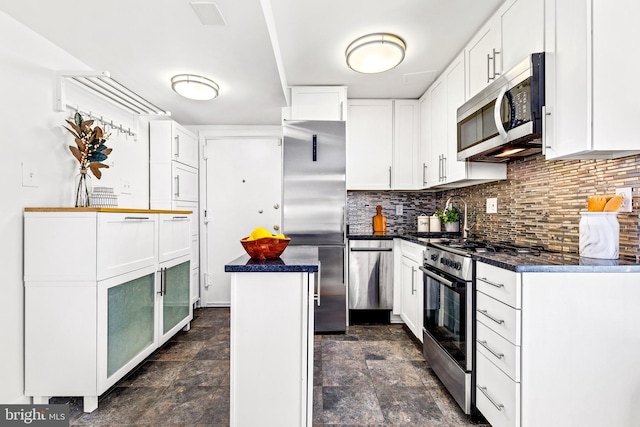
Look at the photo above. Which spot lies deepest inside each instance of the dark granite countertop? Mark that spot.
(295, 259)
(553, 262)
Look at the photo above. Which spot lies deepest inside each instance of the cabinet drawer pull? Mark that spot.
(485, 313)
(142, 218)
(488, 282)
(499, 406)
(180, 217)
(492, 351)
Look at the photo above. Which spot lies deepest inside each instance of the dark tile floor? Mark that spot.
(372, 376)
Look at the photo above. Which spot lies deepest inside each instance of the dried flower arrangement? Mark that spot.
(90, 150)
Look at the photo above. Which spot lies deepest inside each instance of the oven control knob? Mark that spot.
(434, 257)
(457, 266)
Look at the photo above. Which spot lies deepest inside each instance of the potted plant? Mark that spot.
(451, 219)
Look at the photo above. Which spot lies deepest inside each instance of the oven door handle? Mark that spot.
(436, 277)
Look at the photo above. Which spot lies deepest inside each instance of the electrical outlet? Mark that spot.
(492, 205)
(125, 186)
(399, 209)
(627, 201)
(30, 176)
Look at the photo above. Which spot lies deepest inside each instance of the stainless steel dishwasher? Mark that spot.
(370, 280)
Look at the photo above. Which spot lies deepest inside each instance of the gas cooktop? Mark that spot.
(481, 246)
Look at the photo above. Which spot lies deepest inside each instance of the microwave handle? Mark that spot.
(496, 112)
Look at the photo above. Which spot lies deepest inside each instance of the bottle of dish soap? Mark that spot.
(379, 221)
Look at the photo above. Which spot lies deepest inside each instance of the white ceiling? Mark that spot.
(142, 43)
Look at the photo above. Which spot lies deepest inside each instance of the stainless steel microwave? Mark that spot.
(504, 120)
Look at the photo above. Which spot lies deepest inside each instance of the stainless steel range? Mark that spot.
(449, 310)
(448, 318)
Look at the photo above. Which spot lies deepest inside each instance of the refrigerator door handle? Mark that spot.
(315, 148)
(317, 296)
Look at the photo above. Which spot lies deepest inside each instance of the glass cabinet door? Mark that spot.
(130, 326)
(176, 300)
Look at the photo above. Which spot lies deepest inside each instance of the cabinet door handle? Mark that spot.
(495, 52)
(495, 319)
(180, 217)
(444, 167)
(177, 154)
(488, 282)
(488, 68)
(389, 176)
(141, 218)
(499, 406)
(177, 193)
(413, 280)
(424, 174)
(162, 278)
(546, 112)
(490, 350)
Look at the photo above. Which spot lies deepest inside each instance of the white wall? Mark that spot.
(31, 132)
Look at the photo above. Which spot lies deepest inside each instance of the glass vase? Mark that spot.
(83, 189)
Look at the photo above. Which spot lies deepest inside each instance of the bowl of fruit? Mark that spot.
(261, 244)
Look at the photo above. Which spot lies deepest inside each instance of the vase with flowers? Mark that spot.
(90, 151)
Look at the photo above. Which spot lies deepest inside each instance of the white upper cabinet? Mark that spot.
(406, 141)
(425, 140)
(317, 103)
(443, 168)
(184, 146)
(521, 30)
(369, 144)
(483, 52)
(173, 165)
(588, 116)
(383, 144)
(438, 142)
(515, 31)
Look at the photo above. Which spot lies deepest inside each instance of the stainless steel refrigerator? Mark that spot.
(314, 197)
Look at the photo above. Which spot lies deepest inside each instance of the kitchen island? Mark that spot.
(272, 339)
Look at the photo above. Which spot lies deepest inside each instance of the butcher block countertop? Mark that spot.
(112, 210)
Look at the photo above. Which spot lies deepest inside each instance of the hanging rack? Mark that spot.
(107, 124)
(101, 83)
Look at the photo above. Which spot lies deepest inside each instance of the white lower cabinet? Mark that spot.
(85, 332)
(411, 286)
(272, 349)
(552, 345)
(497, 395)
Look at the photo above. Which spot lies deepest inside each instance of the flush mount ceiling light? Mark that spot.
(375, 53)
(194, 87)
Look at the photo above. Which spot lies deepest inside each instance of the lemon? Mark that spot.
(259, 233)
(279, 236)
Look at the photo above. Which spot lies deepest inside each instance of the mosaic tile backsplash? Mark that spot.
(539, 203)
(361, 207)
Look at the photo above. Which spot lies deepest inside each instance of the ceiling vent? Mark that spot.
(208, 12)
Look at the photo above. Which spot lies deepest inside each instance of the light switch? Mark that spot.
(492, 205)
(627, 202)
(30, 177)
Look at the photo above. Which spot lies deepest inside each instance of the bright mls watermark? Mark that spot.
(56, 415)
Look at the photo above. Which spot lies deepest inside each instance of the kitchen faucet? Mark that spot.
(465, 228)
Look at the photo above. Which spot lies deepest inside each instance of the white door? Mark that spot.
(243, 191)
